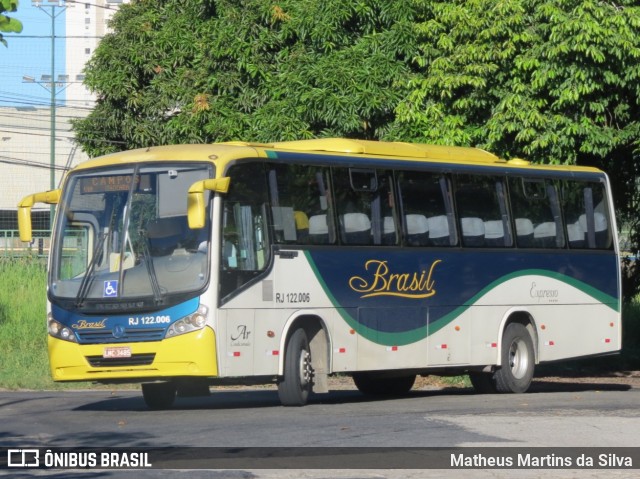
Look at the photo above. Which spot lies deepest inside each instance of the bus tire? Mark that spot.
(373, 385)
(295, 386)
(518, 360)
(483, 383)
(159, 396)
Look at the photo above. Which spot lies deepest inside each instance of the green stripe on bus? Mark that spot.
(415, 335)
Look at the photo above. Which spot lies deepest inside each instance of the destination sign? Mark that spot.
(112, 183)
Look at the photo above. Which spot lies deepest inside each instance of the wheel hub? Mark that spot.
(518, 358)
(306, 371)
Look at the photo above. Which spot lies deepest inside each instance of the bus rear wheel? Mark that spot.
(375, 385)
(295, 386)
(518, 360)
(159, 396)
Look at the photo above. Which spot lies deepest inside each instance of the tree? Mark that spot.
(205, 71)
(8, 24)
(553, 81)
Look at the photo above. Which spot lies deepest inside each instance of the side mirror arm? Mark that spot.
(24, 211)
(195, 199)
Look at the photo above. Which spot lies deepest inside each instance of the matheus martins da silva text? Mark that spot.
(541, 461)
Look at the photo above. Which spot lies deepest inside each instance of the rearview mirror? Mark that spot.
(195, 199)
(24, 211)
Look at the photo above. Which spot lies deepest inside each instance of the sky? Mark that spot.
(29, 53)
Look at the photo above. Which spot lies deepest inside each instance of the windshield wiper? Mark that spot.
(87, 280)
(151, 270)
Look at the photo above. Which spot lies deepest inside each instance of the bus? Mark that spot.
(185, 267)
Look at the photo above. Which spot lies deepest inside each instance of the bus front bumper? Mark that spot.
(191, 354)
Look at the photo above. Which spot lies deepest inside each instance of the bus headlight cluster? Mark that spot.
(60, 331)
(190, 323)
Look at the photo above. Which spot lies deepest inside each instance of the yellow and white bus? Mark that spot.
(182, 267)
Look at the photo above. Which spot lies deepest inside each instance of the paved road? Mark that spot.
(552, 415)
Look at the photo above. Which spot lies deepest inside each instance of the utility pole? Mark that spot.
(56, 7)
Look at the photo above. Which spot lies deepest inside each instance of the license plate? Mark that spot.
(117, 352)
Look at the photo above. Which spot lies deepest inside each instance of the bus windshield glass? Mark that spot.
(123, 235)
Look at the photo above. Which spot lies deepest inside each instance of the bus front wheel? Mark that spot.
(295, 386)
(518, 360)
(159, 395)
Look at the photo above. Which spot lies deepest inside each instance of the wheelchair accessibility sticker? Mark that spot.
(110, 289)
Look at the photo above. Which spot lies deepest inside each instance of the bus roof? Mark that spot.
(381, 148)
(234, 150)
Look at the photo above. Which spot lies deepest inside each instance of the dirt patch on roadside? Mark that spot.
(632, 378)
(609, 380)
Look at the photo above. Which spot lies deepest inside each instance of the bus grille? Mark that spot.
(134, 360)
(130, 335)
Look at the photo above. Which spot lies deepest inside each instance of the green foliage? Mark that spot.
(23, 338)
(8, 24)
(554, 81)
(23, 326)
(205, 71)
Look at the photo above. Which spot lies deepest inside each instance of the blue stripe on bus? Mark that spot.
(158, 320)
(391, 296)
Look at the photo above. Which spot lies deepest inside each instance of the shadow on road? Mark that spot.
(542, 386)
(221, 399)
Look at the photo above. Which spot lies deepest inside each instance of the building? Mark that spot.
(25, 156)
(26, 159)
(85, 23)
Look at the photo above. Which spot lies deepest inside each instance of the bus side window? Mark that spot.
(482, 211)
(299, 204)
(385, 228)
(353, 208)
(537, 212)
(365, 206)
(427, 211)
(322, 225)
(245, 245)
(586, 213)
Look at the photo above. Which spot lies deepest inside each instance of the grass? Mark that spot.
(23, 336)
(24, 362)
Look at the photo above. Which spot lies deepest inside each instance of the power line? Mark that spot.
(70, 138)
(33, 164)
(34, 105)
(32, 122)
(104, 7)
(71, 104)
(29, 133)
(43, 106)
(17, 37)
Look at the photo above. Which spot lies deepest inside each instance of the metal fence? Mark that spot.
(12, 247)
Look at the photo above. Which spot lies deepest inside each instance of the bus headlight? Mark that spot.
(60, 331)
(190, 323)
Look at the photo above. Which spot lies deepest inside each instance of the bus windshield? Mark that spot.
(123, 235)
